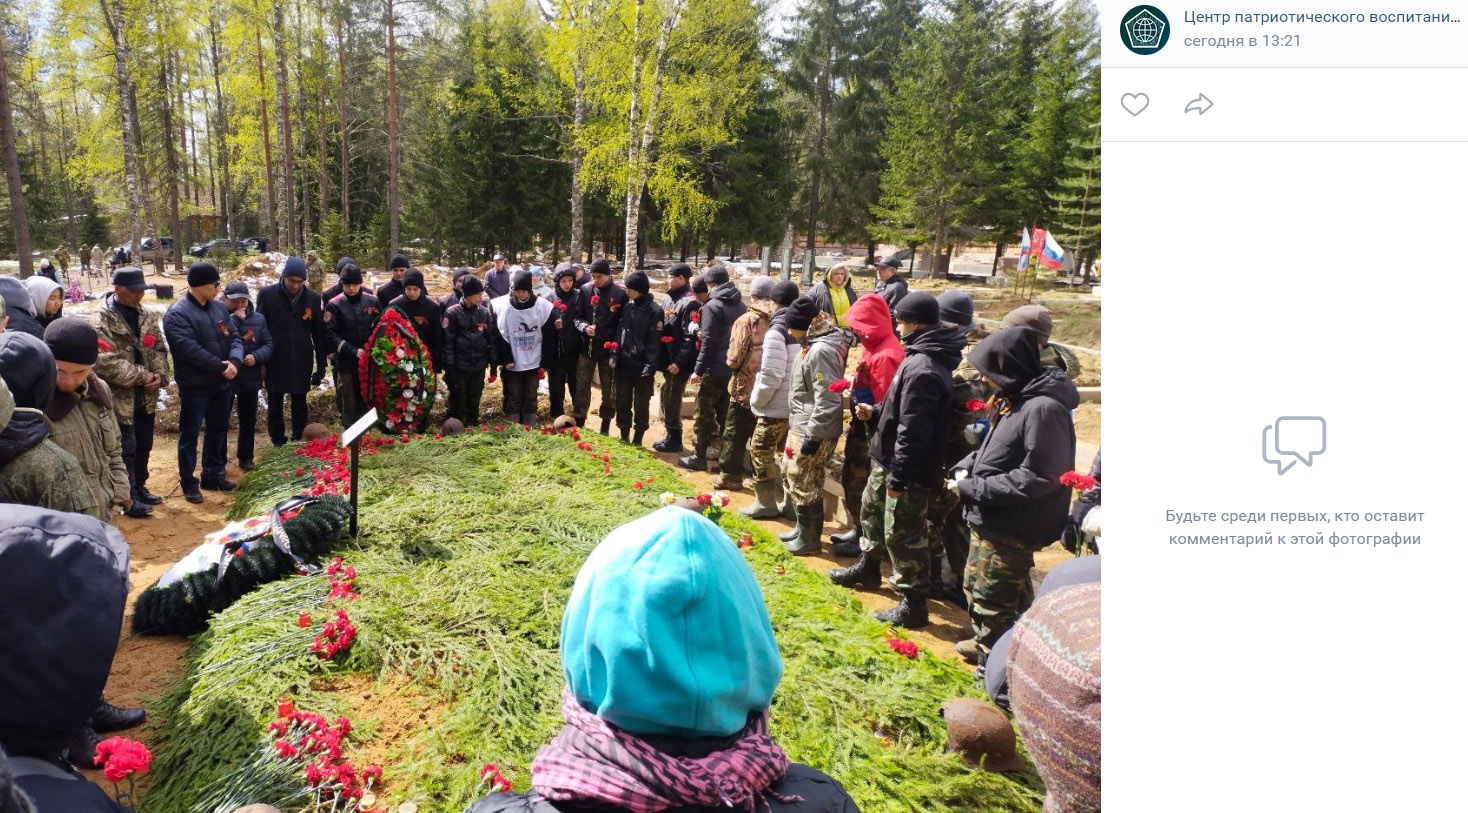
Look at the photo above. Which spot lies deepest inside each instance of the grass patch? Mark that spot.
(469, 550)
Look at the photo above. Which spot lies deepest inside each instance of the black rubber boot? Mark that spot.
(867, 572)
(606, 426)
(808, 520)
(853, 536)
(668, 445)
(625, 434)
(911, 613)
(847, 549)
(637, 438)
(794, 533)
(695, 462)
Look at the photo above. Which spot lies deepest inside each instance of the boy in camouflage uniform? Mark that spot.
(33, 469)
(815, 417)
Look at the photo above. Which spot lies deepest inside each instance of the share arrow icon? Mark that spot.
(1202, 104)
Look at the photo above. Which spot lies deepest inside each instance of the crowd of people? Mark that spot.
(953, 439)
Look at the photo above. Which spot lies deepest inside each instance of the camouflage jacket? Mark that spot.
(128, 359)
(44, 474)
(316, 275)
(88, 430)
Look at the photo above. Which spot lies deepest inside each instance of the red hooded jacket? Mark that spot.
(881, 350)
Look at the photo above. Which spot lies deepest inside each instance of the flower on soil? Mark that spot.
(637, 485)
(121, 757)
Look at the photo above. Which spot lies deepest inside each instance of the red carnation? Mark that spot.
(491, 773)
(595, 300)
(840, 386)
(976, 405)
(105, 348)
(789, 452)
(122, 757)
(904, 648)
(149, 340)
(1078, 481)
(697, 315)
(540, 374)
(667, 340)
(607, 470)
(637, 485)
(560, 306)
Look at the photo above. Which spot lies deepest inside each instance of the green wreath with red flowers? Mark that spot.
(397, 374)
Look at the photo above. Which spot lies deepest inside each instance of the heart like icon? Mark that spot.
(1135, 103)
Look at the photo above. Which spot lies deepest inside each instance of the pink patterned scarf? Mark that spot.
(592, 761)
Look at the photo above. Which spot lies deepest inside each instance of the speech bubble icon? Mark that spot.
(1270, 455)
(1299, 436)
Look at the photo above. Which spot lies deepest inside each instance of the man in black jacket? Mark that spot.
(601, 310)
(1012, 496)
(910, 432)
(636, 355)
(563, 357)
(680, 349)
(346, 325)
(293, 313)
(470, 340)
(711, 371)
(207, 355)
(890, 284)
(423, 313)
(393, 288)
(257, 346)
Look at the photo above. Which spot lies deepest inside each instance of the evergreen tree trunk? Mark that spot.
(287, 165)
(323, 178)
(341, 112)
(170, 159)
(12, 170)
(265, 136)
(393, 147)
(221, 131)
(112, 15)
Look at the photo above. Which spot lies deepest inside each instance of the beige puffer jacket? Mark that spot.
(746, 348)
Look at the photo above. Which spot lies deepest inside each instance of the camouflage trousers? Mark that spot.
(897, 525)
(709, 411)
(948, 538)
(767, 447)
(997, 579)
(807, 473)
(856, 467)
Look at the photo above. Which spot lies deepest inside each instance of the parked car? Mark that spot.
(214, 248)
(260, 244)
(151, 247)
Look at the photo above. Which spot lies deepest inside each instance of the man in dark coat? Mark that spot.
(63, 577)
(890, 283)
(679, 351)
(711, 371)
(563, 357)
(1012, 496)
(636, 355)
(257, 345)
(470, 342)
(330, 293)
(393, 288)
(908, 440)
(348, 322)
(497, 278)
(293, 313)
(602, 301)
(207, 356)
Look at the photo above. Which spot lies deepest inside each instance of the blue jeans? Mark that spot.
(211, 410)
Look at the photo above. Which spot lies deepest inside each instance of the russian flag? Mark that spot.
(1052, 255)
(1024, 251)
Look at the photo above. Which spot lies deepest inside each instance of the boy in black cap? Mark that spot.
(562, 358)
(686, 295)
(424, 315)
(468, 350)
(207, 357)
(393, 288)
(348, 321)
(136, 368)
(293, 313)
(601, 309)
(257, 345)
(636, 355)
(908, 442)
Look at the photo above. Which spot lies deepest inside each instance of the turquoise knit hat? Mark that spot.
(666, 631)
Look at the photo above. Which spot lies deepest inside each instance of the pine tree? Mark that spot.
(1077, 218)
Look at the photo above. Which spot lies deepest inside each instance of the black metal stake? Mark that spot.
(355, 444)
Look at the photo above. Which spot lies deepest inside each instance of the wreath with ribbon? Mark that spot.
(397, 373)
(237, 559)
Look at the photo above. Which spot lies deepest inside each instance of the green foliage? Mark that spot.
(469, 550)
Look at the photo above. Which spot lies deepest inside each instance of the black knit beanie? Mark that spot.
(681, 270)
(398, 261)
(601, 266)
(472, 285)
(520, 281)
(918, 308)
(785, 292)
(72, 340)
(801, 313)
(350, 273)
(636, 281)
(202, 274)
(343, 262)
(414, 277)
(956, 308)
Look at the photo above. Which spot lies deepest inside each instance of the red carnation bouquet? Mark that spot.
(397, 373)
(1078, 481)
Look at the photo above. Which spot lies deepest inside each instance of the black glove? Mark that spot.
(318, 378)
(810, 446)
